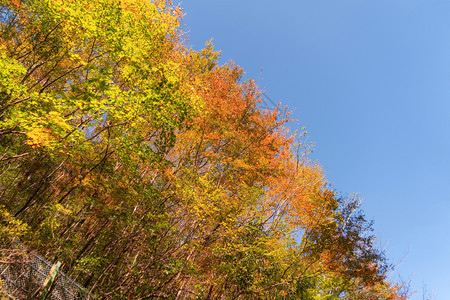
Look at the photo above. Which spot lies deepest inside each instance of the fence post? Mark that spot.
(50, 278)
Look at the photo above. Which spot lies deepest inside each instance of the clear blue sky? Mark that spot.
(370, 81)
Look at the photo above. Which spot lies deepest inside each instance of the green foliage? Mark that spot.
(10, 228)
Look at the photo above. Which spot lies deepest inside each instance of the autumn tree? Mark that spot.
(152, 171)
(92, 94)
(257, 218)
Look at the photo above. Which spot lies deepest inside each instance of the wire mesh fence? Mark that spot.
(24, 277)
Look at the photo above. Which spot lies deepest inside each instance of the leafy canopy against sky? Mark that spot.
(370, 81)
(152, 169)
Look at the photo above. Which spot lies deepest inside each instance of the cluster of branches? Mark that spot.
(151, 171)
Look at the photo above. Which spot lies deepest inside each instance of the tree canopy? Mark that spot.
(152, 171)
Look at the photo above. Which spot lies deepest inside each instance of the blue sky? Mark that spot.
(370, 81)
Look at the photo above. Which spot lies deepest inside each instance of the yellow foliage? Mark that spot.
(10, 227)
(39, 137)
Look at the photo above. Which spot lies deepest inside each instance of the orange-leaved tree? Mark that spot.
(255, 218)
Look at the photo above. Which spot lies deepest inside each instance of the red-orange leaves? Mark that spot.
(256, 213)
(240, 135)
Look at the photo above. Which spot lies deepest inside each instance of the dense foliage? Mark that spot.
(151, 171)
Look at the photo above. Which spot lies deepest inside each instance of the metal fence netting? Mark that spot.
(24, 276)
